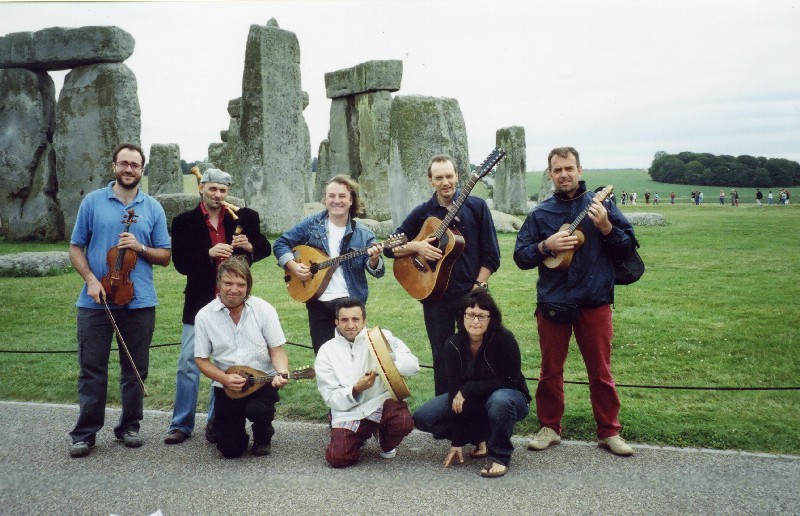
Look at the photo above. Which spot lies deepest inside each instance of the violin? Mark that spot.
(117, 283)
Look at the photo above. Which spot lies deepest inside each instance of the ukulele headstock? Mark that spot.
(605, 192)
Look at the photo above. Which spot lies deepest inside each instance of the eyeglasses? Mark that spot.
(481, 317)
(122, 165)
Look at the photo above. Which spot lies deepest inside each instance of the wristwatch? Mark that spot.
(482, 284)
(546, 250)
(144, 249)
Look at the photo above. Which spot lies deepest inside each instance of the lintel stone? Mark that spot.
(59, 48)
(363, 78)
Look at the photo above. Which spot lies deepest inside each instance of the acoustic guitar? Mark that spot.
(256, 379)
(379, 347)
(561, 260)
(428, 279)
(318, 261)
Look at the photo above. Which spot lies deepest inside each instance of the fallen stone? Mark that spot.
(505, 223)
(48, 263)
(646, 219)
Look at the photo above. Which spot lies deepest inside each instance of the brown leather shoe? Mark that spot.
(175, 437)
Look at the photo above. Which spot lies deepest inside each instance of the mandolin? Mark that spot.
(117, 283)
(428, 279)
(255, 379)
(317, 261)
(561, 260)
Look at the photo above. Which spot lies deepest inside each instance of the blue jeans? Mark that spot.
(503, 409)
(95, 332)
(187, 383)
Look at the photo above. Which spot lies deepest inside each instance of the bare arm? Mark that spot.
(93, 286)
(232, 381)
(280, 361)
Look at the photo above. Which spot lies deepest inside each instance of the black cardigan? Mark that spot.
(497, 365)
(190, 245)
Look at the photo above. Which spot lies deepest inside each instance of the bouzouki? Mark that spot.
(255, 379)
(562, 259)
(428, 279)
(318, 261)
(388, 372)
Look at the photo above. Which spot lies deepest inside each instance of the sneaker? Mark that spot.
(388, 454)
(544, 438)
(131, 439)
(259, 450)
(175, 437)
(81, 448)
(616, 445)
(211, 433)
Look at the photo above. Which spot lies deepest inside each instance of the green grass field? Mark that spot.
(719, 306)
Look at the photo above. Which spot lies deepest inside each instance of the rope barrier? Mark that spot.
(425, 366)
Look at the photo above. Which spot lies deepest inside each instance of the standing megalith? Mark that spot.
(225, 155)
(276, 151)
(421, 127)
(98, 109)
(510, 180)
(27, 161)
(361, 103)
(164, 174)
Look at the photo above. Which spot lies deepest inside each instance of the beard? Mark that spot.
(128, 186)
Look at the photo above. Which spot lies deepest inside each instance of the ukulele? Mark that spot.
(428, 279)
(255, 379)
(117, 283)
(561, 260)
(317, 261)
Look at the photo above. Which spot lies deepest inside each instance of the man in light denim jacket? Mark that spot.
(333, 231)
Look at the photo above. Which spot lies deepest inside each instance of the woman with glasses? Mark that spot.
(487, 393)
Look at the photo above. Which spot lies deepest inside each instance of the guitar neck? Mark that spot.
(343, 258)
(453, 211)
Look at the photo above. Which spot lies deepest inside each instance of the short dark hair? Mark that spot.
(441, 158)
(356, 207)
(351, 302)
(563, 152)
(129, 146)
(484, 301)
(238, 266)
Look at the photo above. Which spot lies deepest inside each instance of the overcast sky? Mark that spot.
(618, 80)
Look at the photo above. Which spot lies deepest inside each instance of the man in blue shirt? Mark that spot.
(333, 231)
(479, 259)
(98, 229)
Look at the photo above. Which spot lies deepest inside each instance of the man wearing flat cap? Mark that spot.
(202, 239)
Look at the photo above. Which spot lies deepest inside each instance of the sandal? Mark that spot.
(477, 454)
(487, 473)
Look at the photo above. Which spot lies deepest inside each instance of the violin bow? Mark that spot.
(124, 346)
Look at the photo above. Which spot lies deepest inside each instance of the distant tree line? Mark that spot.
(693, 168)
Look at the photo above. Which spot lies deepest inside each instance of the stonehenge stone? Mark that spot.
(505, 223)
(363, 78)
(176, 203)
(358, 146)
(35, 264)
(226, 155)
(27, 159)
(98, 109)
(342, 147)
(324, 169)
(421, 127)
(276, 153)
(646, 219)
(546, 187)
(58, 48)
(164, 174)
(510, 183)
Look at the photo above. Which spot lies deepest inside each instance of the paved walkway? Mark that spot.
(38, 477)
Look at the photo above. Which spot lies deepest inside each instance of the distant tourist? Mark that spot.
(647, 197)
(722, 197)
(672, 197)
(769, 198)
(759, 196)
(655, 198)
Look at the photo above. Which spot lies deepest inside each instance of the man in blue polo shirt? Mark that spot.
(98, 228)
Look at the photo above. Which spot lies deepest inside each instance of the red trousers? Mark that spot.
(593, 333)
(345, 446)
